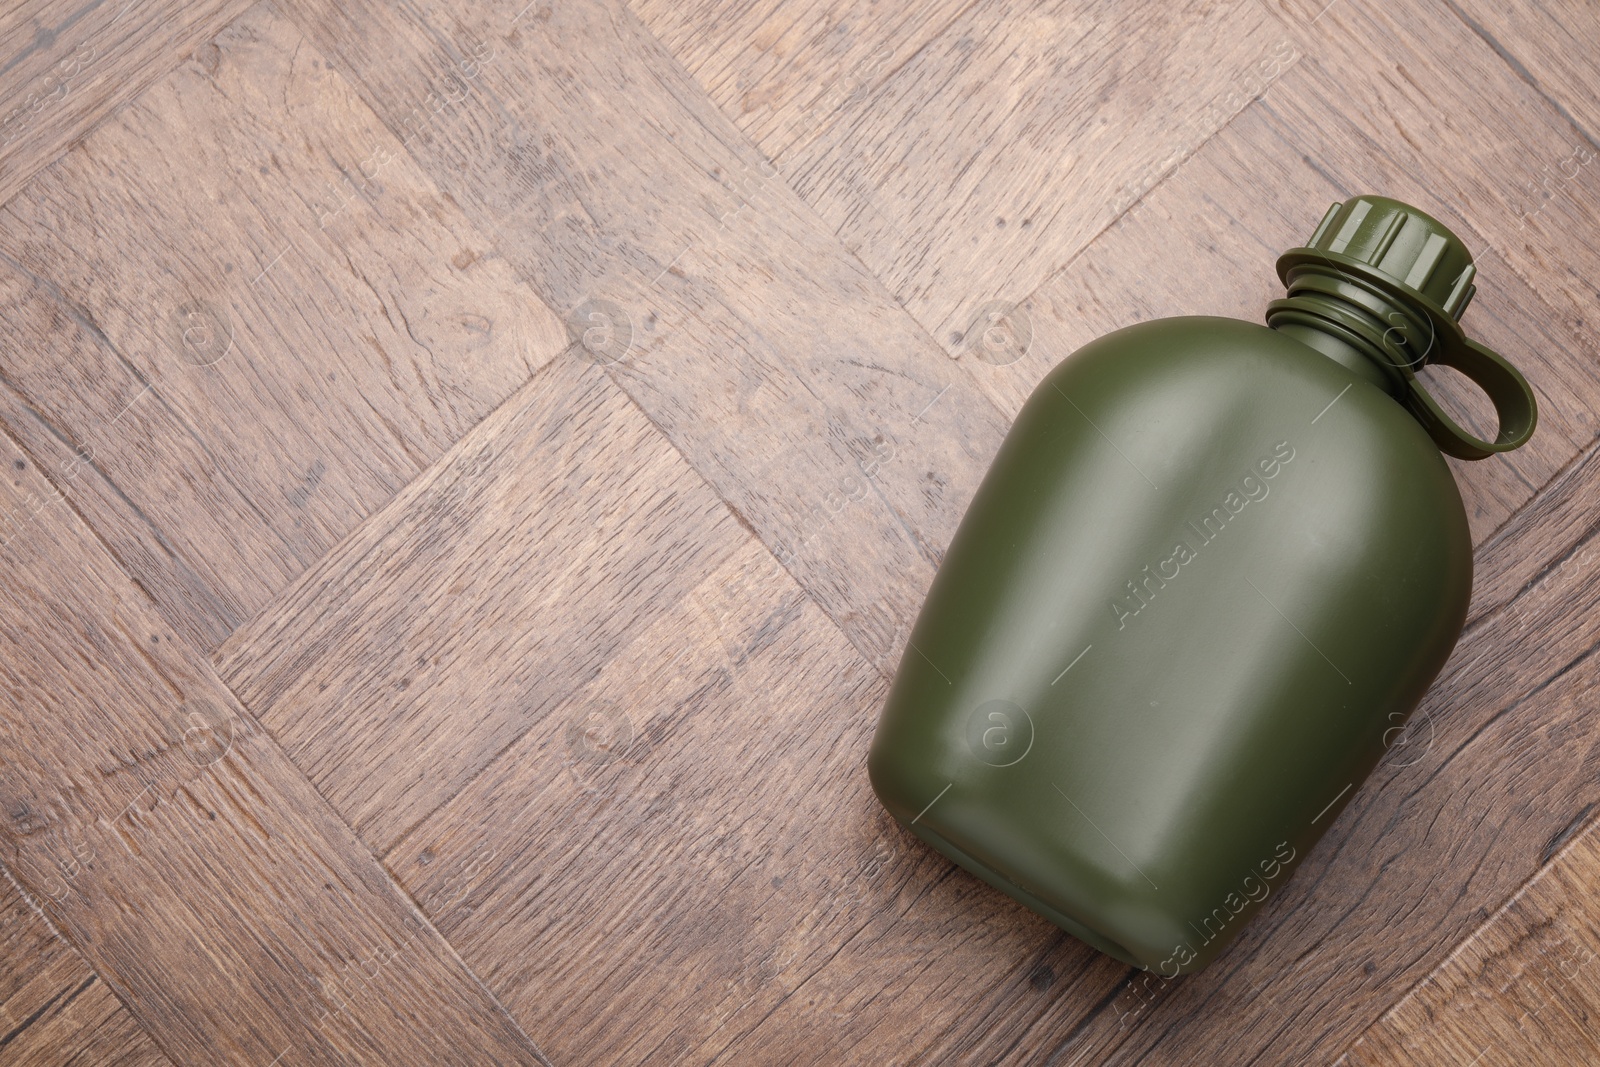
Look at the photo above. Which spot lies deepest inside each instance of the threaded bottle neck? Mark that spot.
(1372, 333)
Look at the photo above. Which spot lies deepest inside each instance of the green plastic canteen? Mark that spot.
(1212, 570)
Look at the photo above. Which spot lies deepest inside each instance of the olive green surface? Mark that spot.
(1212, 569)
(1226, 696)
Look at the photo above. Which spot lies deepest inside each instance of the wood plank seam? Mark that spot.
(10, 1035)
(419, 342)
(1520, 69)
(1469, 943)
(53, 1007)
(1504, 531)
(1145, 190)
(784, 553)
(666, 270)
(190, 26)
(1131, 207)
(783, 556)
(69, 994)
(335, 986)
(248, 725)
(72, 992)
(82, 450)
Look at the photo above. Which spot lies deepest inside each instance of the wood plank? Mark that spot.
(39, 967)
(1550, 528)
(1520, 990)
(53, 1009)
(306, 325)
(487, 590)
(66, 67)
(1551, 48)
(767, 354)
(85, 1025)
(785, 72)
(673, 843)
(215, 865)
(1051, 119)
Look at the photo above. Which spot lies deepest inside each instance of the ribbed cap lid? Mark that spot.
(1390, 281)
(1403, 244)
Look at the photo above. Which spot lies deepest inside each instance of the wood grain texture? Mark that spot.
(488, 590)
(689, 867)
(1550, 46)
(965, 159)
(766, 353)
(548, 417)
(306, 325)
(785, 72)
(53, 1009)
(65, 67)
(221, 898)
(1550, 528)
(83, 1025)
(1520, 990)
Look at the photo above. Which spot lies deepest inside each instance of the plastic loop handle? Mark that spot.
(1507, 389)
